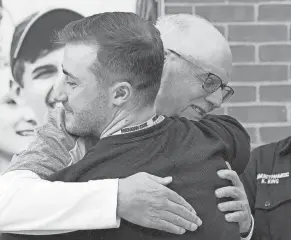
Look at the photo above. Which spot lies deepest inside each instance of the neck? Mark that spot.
(126, 119)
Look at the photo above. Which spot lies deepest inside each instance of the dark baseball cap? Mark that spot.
(36, 33)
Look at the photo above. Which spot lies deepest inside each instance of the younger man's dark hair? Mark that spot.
(128, 48)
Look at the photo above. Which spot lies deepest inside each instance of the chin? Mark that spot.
(70, 128)
(74, 129)
(75, 125)
(192, 117)
(69, 122)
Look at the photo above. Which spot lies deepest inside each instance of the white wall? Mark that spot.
(21, 8)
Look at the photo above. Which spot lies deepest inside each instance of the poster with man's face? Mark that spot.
(30, 63)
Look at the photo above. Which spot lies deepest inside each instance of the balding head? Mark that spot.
(196, 53)
(191, 35)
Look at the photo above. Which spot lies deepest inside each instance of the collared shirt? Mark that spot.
(267, 182)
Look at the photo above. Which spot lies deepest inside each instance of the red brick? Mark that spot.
(253, 134)
(273, 53)
(278, 93)
(259, 114)
(275, 12)
(243, 94)
(272, 134)
(178, 9)
(259, 73)
(257, 33)
(243, 53)
(226, 13)
(221, 29)
(194, 1)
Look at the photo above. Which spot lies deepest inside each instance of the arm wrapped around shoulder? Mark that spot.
(235, 138)
(49, 152)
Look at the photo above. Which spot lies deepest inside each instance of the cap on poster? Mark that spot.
(40, 26)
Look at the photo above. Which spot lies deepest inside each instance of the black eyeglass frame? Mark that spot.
(229, 90)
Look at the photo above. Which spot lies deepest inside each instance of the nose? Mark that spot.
(215, 98)
(59, 93)
(27, 115)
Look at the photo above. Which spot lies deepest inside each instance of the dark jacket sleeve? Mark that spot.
(234, 136)
(249, 176)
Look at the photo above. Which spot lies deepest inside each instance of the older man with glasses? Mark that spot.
(197, 70)
(212, 82)
(190, 88)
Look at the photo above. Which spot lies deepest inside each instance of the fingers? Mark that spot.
(160, 180)
(230, 191)
(243, 218)
(179, 221)
(230, 175)
(231, 206)
(228, 165)
(184, 213)
(168, 227)
(236, 216)
(176, 198)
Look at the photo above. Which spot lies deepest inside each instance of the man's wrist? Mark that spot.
(119, 199)
(248, 235)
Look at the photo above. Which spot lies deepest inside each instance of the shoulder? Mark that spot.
(217, 124)
(282, 147)
(54, 131)
(53, 148)
(210, 120)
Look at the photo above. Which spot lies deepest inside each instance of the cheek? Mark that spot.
(35, 97)
(9, 117)
(81, 99)
(196, 90)
(170, 102)
(182, 97)
(38, 89)
(42, 87)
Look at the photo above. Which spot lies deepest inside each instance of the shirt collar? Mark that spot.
(285, 146)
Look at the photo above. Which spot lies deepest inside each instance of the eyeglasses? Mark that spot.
(212, 82)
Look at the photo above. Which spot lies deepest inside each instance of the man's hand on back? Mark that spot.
(144, 199)
(239, 206)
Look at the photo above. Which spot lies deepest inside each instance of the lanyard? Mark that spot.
(151, 122)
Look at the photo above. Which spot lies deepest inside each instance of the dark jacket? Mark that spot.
(191, 152)
(267, 183)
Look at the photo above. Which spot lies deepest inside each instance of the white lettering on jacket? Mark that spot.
(271, 178)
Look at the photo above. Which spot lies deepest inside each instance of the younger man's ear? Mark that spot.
(121, 93)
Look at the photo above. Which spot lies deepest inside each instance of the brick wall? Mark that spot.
(259, 34)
